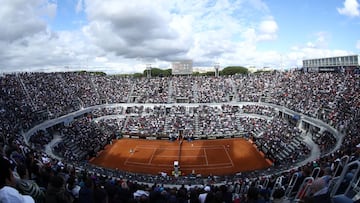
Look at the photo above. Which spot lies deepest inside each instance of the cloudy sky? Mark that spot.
(122, 36)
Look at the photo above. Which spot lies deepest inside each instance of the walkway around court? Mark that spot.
(315, 152)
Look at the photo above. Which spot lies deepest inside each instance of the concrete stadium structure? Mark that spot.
(332, 64)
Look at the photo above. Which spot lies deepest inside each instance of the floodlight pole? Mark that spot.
(217, 67)
(148, 70)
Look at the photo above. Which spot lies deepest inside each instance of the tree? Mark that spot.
(98, 73)
(209, 73)
(197, 73)
(232, 70)
(138, 75)
(157, 72)
(167, 72)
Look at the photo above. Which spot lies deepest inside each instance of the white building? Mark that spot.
(338, 63)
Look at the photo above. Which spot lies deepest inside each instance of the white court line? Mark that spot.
(212, 166)
(206, 168)
(159, 147)
(183, 148)
(189, 156)
(126, 161)
(152, 156)
(203, 147)
(142, 164)
(227, 153)
(206, 160)
(221, 165)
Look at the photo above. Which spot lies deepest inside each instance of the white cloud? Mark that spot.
(137, 29)
(259, 4)
(351, 8)
(122, 36)
(268, 26)
(310, 45)
(267, 30)
(23, 18)
(47, 49)
(320, 40)
(79, 6)
(358, 44)
(127, 35)
(295, 57)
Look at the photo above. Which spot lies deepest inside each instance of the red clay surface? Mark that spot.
(215, 157)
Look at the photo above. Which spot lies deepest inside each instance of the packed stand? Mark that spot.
(330, 96)
(82, 86)
(281, 142)
(40, 138)
(83, 139)
(260, 110)
(214, 89)
(150, 90)
(325, 140)
(113, 89)
(47, 92)
(183, 88)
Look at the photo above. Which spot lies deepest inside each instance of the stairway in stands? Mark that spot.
(129, 99)
(26, 92)
(92, 84)
(170, 92)
(195, 92)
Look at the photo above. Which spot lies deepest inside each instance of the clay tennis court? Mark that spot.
(215, 157)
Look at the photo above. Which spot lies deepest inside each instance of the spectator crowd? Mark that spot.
(28, 99)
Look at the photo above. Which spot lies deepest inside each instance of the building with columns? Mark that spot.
(332, 64)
